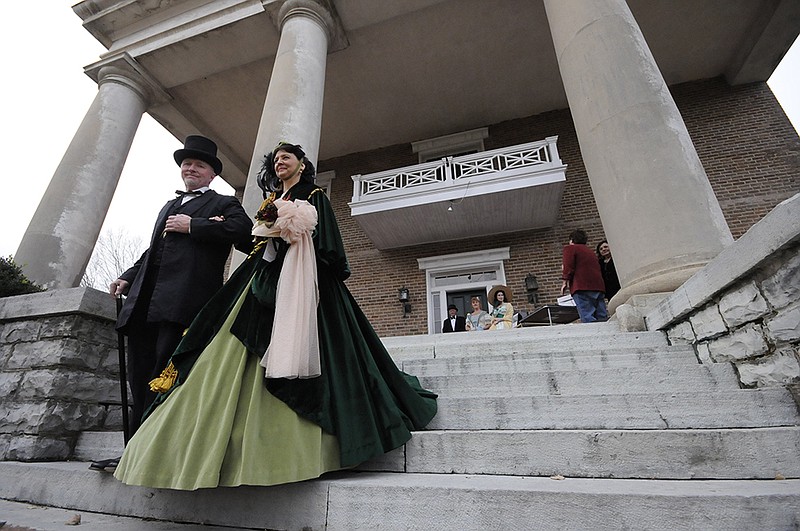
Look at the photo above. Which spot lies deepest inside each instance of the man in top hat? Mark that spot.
(454, 322)
(179, 272)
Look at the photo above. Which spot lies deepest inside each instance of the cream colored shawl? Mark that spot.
(293, 350)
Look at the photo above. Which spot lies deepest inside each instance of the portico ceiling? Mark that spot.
(412, 69)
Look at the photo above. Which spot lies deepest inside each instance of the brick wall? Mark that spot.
(746, 143)
(748, 147)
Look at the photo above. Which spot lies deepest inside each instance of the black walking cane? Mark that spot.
(123, 378)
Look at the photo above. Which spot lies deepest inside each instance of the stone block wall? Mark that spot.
(58, 372)
(744, 306)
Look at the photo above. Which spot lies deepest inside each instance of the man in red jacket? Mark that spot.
(581, 275)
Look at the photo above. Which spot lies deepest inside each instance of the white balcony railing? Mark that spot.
(497, 163)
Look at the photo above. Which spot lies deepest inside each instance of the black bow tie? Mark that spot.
(181, 193)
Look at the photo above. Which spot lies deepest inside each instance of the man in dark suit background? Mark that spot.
(454, 322)
(180, 271)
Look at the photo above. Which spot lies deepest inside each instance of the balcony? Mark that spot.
(492, 192)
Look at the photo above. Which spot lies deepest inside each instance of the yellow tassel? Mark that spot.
(258, 245)
(165, 381)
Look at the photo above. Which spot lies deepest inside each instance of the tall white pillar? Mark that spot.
(61, 236)
(293, 107)
(660, 215)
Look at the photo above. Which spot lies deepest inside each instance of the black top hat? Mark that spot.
(201, 148)
(452, 307)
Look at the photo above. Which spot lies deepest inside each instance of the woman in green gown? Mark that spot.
(281, 377)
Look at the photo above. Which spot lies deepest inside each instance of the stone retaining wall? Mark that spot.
(58, 372)
(744, 306)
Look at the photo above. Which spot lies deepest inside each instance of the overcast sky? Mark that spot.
(46, 95)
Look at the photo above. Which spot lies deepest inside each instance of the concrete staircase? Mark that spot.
(568, 427)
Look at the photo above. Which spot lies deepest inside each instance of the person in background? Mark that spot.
(180, 271)
(581, 276)
(479, 319)
(454, 322)
(502, 314)
(607, 269)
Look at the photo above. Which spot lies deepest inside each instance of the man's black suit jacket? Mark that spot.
(192, 265)
(461, 325)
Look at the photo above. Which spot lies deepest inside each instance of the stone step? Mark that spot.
(97, 445)
(468, 345)
(21, 516)
(616, 381)
(741, 408)
(751, 453)
(359, 500)
(756, 453)
(659, 356)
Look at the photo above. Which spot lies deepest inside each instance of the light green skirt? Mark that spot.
(223, 428)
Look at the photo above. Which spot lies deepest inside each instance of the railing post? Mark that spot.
(356, 187)
(448, 169)
(552, 149)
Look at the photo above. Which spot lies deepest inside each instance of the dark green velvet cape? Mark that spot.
(361, 397)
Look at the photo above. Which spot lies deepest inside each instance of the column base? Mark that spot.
(632, 302)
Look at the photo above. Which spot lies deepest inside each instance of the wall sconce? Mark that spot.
(403, 297)
(532, 289)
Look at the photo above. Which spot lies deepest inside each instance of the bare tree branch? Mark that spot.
(115, 251)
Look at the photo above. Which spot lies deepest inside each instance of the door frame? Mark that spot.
(460, 273)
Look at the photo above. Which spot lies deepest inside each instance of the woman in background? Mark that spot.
(607, 269)
(479, 319)
(502, 312)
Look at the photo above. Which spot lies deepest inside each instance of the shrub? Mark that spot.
(13, 281)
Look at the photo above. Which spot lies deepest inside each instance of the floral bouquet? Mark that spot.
(287, 219)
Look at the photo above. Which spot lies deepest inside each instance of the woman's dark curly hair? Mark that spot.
(267, 179)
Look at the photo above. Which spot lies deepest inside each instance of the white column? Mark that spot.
(61, 236)
(660, 215)
(293, 107)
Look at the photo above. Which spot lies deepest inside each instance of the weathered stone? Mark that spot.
(53, 352)
(630, 319)
(681, 334)
(113, 420)
(58, 326)
(22, 417)
(5, 440)
(97, 357)
(747, 342)
(109, 361)
(783, 287)
(708, 323)
(51, 417)
(85, 301)
(72, 418)
(9, 383)
(79, 327)
(32, 448)
(779, 368)
(15, 331)
(703, 354)
(68, 385)
(786, 325)
(5, 354)
(743, 305)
